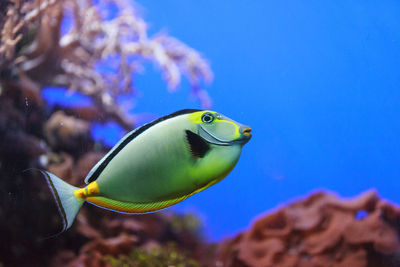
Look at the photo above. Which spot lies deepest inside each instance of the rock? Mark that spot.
(321, 230)
(67, 133)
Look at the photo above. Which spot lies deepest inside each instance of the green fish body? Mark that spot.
(157, 165)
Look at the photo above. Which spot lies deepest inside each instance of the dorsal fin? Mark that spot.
(198, 146)
(99, 167)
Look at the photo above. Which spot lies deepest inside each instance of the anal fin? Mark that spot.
(128, 207)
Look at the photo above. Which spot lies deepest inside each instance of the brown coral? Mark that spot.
(320, 231)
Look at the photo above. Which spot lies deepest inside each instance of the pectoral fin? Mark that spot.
(198, 146)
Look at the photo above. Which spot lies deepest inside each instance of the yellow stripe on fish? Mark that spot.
(90, 190)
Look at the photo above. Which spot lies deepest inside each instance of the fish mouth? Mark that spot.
(247, 132)
(245, 136)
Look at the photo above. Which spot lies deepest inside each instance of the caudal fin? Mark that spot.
(68, 204)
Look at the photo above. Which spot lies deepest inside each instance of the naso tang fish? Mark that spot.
(157, 165)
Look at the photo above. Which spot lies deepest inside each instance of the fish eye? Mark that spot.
(207, 118)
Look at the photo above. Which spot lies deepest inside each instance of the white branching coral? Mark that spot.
(74, 58)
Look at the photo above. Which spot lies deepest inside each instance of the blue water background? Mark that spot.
(318, 81)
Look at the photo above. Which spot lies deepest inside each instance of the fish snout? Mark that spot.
(245, 132)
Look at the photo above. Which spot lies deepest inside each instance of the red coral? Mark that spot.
(320, 231)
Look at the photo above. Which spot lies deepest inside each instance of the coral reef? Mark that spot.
(320, 231)
(83, 47)
(35, 52)
(111, 239)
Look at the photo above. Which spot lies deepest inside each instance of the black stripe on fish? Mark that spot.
(198, 146)
(132, 136)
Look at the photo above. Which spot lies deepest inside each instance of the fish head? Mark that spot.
(221, 140)
(218, 129)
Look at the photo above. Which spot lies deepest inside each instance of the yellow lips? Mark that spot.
(247, 131)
